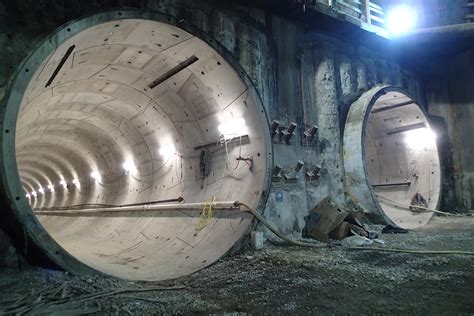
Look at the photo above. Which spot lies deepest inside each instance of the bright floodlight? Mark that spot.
(63, 183)
(233, 128)
(33, 193)
(51, 187)
(96, 176)
(76, 182)
(400, 19)
(27, 195)
(129, 166)
(167, 151)
(41, 190)
(420, 138)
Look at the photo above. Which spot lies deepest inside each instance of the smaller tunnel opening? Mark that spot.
(398, 161)
(402, 159)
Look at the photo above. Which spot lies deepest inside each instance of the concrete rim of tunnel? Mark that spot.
(357, 185)
(18, 220)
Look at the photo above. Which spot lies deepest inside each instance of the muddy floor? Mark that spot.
(276, 280)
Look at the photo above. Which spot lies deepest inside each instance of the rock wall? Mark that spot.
(451, 97)
(301, 76)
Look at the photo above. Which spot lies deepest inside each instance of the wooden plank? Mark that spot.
(376, 18)
(341, 2)
(375, 6)
(376, 11)
(367, 11)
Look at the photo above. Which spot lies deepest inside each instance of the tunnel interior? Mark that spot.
(134, 111)
(401, 160)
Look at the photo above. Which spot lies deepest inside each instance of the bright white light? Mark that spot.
(233, 128)
(96, 176)
(400, 19)
(167, 151)
(33, 193)
(420, 138)
(41, 190)
(129, 166)
(76, 182)
(27, 195)
(63, 183)
(51, 187)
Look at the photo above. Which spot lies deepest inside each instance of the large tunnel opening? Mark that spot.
(132, 113)
(391, 158)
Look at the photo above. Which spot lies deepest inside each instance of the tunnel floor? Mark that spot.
(282, 280)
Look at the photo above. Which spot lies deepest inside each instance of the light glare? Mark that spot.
(167, 151)
(129, 166)
(51, 187)
(96, 176)
(400, 20)
(420, 138)
(233, 128)
(63, 183)
(41, 190)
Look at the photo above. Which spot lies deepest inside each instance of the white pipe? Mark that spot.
(143, 208)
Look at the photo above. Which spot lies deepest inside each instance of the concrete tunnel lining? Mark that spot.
(391, 155)
(100, 114)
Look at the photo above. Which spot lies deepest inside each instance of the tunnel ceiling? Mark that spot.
(135, 111)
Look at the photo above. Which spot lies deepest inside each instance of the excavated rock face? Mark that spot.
(8, 257)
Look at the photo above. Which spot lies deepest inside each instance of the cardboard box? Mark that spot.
(324, 218)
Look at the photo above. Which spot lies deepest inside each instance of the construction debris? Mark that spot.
(356, 241)
(330, 221)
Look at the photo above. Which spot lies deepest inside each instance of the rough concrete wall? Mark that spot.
(301, 77)
(318, 77)
(8, 257)
(450, 95)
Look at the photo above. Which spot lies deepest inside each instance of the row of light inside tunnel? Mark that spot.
(230, 129)
(415, 139)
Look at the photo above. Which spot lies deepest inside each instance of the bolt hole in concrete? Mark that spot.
(396, 159)
(95, 135)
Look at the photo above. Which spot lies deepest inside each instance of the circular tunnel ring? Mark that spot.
(391, 158)
(46, 236)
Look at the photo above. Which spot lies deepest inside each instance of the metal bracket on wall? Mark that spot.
(308, 135)
(292, 175)
(313, 173)
(276, 173)
(285, 133)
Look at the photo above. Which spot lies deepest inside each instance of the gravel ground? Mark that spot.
(276, 280)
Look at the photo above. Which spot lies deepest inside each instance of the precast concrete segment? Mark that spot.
(82, 126)
(390, 155)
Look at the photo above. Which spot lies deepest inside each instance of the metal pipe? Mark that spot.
(96, 205)
(391, 184)
(226, 205)
(454, 29)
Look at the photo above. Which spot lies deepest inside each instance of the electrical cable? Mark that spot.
(421, 252)
(275, 231)
(424, 209)
(306, 244)
(205, 216)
